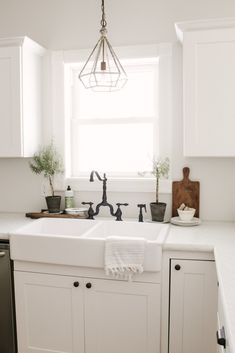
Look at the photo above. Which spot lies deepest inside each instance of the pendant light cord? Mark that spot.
(103, 21)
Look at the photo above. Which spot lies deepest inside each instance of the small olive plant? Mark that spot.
(47, 162)
(160, 170)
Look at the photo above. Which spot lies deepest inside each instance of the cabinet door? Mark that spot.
(209, 86)
(193, 307)
(49, 312)
(122, 317)
(10, 102)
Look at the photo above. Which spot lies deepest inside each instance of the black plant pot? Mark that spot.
(158, 211)
(53, 204)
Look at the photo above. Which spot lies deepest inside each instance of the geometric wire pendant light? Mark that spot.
(103, 70)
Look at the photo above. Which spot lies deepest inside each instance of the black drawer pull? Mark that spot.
(88, 285)
(220, 335)
(177, 267)
(75, 284)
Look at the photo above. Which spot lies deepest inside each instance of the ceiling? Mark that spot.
(73, 24)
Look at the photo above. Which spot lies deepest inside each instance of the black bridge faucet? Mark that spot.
(104, 202)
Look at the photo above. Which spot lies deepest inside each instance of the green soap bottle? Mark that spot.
(69, 198)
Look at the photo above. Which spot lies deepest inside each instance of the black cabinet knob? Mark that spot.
(88, 285)
(75, 284)
(221, 340)
(177, 267)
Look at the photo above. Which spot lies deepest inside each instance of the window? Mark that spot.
(114, 132)
(139, 119)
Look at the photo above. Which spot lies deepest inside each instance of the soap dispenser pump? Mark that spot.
(69, 198)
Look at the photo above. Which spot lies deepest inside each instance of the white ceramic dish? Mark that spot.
(178, 222)
(76, 211)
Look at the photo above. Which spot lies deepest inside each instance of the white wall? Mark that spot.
(70, 24)
(63, 24)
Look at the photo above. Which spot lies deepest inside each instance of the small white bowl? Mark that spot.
(76, 211)
(186, 215)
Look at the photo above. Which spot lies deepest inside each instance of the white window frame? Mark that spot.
(57, 124)
(140, 65)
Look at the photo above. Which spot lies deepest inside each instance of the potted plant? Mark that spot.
(160, 170)
(49, 163)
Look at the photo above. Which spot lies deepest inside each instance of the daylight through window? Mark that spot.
(115, 132)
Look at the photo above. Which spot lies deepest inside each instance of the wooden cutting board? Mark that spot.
(187, 192)
(36, 215)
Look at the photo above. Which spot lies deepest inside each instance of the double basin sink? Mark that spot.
(81, 242)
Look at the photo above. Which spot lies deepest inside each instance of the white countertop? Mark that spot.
(204, 237)
(217, 237)
(9, 222)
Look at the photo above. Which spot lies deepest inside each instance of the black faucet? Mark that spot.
(90, 210)
(118, 213)
(141, 206)
(104, 201)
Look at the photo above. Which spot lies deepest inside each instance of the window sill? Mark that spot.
(119, 185)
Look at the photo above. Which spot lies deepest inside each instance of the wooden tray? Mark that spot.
(43, 214)
(187, 192)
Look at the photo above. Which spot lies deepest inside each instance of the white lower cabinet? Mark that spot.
(58, 314)
(49, 313)
(193, 306)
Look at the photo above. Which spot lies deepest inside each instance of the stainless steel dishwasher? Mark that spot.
(7, 312)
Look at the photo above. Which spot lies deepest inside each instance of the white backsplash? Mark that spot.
(21, 191)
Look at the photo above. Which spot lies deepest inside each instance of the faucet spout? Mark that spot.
(104, 202)
(98, 176)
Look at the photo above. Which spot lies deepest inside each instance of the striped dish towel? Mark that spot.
(124, 257)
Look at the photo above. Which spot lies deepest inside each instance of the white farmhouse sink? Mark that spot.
(149, 231)
(81, 242)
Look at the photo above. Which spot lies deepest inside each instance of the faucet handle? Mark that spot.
(118, 213)
(90, 210)
(141, 207)
(122, 204)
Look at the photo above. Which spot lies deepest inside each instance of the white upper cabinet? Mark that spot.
(208, 87)
(21, 62)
